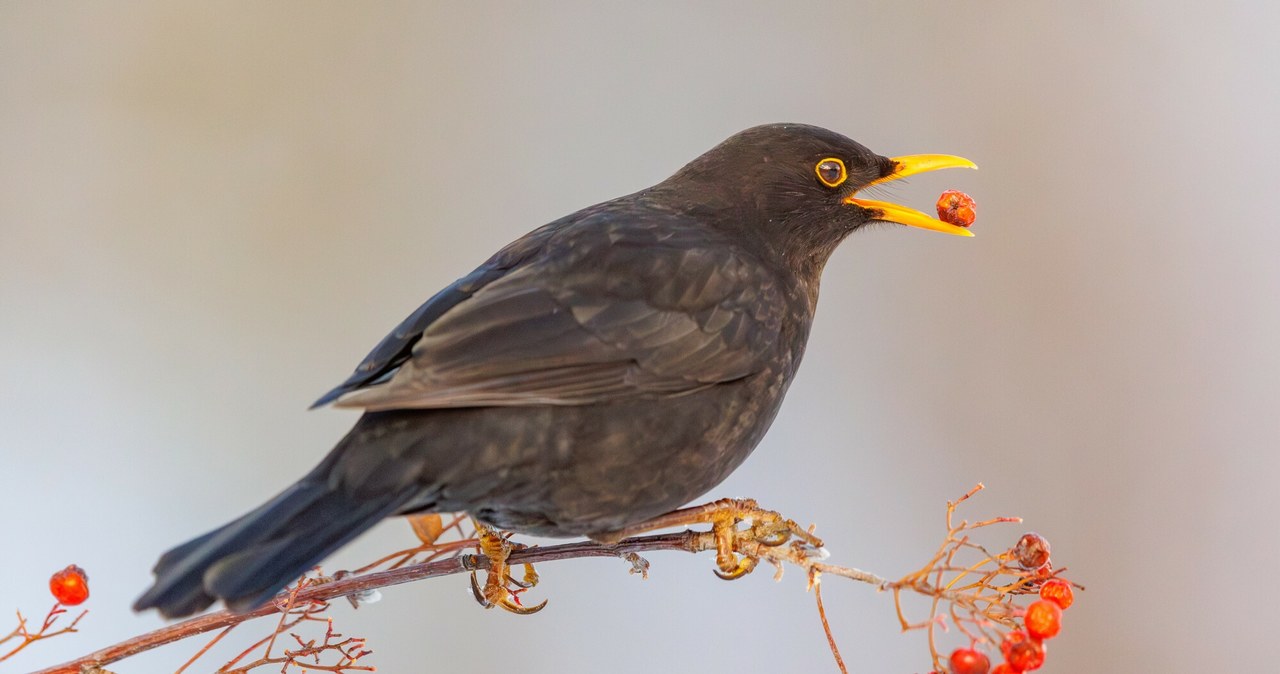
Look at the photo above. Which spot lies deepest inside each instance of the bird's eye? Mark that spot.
(831, 172)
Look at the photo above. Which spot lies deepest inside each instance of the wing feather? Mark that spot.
(599, 311)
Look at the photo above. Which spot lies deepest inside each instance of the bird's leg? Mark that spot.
(495, 592)
(767, 528)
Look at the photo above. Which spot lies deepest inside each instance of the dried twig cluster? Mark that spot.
(978, 593)
(329, 653)
(26, 637)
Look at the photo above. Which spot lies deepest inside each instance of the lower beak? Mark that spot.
(908, 166)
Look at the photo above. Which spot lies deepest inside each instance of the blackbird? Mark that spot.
(597, 372)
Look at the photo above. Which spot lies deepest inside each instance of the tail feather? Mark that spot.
(246, 562)
(251, 576)
(172, 558)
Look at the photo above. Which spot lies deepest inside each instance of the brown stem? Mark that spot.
(815, 581)
(688, 541)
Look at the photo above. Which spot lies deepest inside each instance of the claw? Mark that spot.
(745, 565)
(478, 593)
(774, 539)
(513, 606)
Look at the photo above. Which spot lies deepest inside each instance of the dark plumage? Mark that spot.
(599, 371)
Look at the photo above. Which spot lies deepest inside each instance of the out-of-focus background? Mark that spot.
(210, 211)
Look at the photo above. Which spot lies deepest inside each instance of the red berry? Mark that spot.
(1043, 620)
(957, 208)
(70, 586)
(969, 661)
(1003, 668)
(1057, 591)
(1032, 551)
(1025, 656)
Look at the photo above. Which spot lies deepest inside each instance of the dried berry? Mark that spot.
(1043, 620)
(1010, 640)
(1032, 551)
(70, 586)
(957, 208)
(1025, 656)
(969, 661)
(1057, 591)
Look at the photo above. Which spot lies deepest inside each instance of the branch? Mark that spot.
(688, 541)
(978, 598)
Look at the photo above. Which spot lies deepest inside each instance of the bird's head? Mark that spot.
(795, 186)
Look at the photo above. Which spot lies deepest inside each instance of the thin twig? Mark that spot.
(204, 650)
(815, 581)
(29, 637)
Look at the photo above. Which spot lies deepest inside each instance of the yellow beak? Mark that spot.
(910, 165)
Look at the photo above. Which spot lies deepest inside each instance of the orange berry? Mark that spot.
(1032, 551)
(1043, 620)
(1025, 656)
(957, 208)
(1057, 591)
(969, 661)
(70, 586)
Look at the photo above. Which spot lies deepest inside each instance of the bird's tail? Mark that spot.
(249, 560)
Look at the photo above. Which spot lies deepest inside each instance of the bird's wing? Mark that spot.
(397, 347)
(600, 311)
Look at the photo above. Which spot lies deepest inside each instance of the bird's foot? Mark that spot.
(498, 585)
(733, 544)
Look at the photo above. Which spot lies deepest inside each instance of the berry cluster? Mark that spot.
(982, 594)
(1024, 648)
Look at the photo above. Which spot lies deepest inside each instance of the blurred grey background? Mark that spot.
(210, 211)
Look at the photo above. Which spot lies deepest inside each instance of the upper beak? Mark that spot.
(908, 166)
